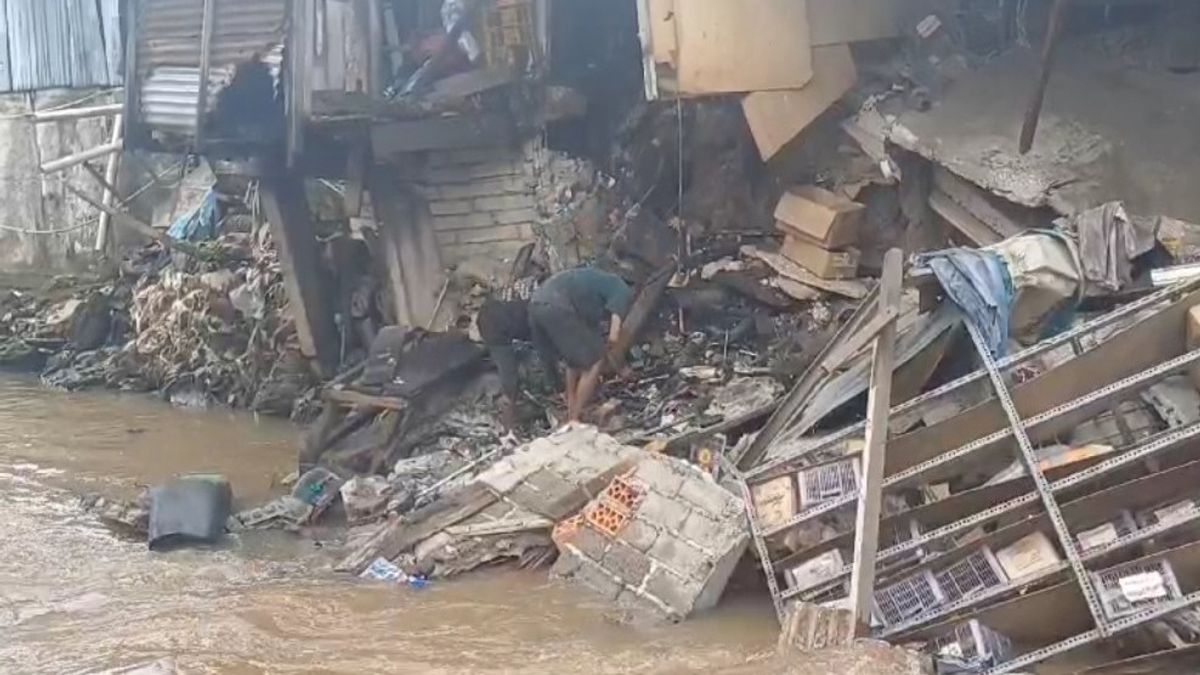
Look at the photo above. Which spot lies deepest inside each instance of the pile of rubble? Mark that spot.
(198, 330)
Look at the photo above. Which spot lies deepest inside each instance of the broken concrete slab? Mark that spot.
(556, 475)
(538, 485)
(662, 539)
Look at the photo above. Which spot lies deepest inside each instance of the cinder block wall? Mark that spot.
(483, 201)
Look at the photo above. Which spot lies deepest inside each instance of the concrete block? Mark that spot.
(567, 564)
(718, 578)
(590, 543)
(489, 187)
(550, 495)
(681, 557)
(673, 591)
(703, 531)
(526, 214)
(496, 233)
(639, 534)
(630, 565)
(659, 474)
(500, 250)
(596, 579)
(470, 221)
(666, 512)
(708, 496)
(451, 208)
(504, 203)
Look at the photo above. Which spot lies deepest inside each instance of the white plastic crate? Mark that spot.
(970, 647)
(821, 484)
(1028, 557)
(974, 574)
(816, 570)
(1131, 588)
(908, 598)
(1101, 535)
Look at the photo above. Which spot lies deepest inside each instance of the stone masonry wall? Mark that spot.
(661, 541)
(483, 201)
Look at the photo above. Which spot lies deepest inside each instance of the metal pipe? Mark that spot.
(78, 113)
(78, 158)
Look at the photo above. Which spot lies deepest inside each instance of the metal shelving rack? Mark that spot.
(1045, 494)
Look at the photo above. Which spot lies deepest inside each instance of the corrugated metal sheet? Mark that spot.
(60, 44)
(168, 52)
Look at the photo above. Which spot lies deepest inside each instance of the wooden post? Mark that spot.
(287, 211)
(411, 255)
(1053, 31)
(866, 543)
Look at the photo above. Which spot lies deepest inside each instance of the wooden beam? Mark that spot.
(78, 113)
(390, 139)
(206, 32)
(410, 251)
(286, 207)
(974, 229)
(1053, 31)
(866, 544)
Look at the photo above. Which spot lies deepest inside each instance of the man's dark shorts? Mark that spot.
(560, 331)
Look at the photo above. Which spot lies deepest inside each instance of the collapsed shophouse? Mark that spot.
(1038, 505)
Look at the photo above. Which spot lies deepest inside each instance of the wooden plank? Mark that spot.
(853, 289)
(410, 250)
(838, 21)
(287, 211)
(400, 535)
(664, 38)
(392, 139)
(133, 224)
(879, 397)
(357, 398)
(750, 45)
(776, 117)
(975, 230)
(978, 203)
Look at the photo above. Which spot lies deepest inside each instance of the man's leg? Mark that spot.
(587, 387)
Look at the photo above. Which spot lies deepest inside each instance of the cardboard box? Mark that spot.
(1028, 557)
(819, 260)
(774, 501)
(822, 216)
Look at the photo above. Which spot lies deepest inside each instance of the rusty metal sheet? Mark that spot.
(168, 53)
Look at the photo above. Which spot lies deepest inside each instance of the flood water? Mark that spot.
(76, 599)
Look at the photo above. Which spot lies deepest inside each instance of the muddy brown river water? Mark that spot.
(76, 599)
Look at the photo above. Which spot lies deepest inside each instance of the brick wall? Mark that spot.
(483, 201)
(661, 541)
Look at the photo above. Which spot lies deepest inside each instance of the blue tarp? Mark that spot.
(978, 282)
(200, 224)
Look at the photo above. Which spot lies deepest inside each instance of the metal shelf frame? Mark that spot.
(1046, 494)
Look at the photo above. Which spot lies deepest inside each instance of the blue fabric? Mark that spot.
(978, 282)
(200, 224)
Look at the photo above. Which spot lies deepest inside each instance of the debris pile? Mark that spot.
(198, 331)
